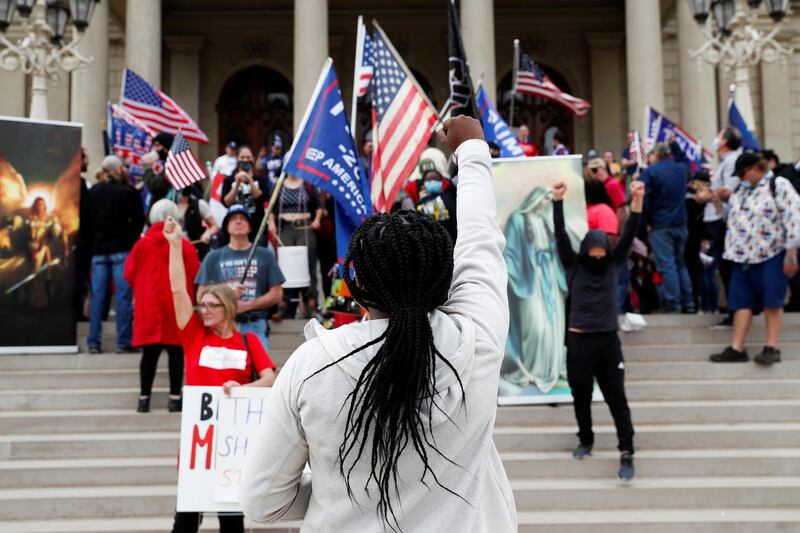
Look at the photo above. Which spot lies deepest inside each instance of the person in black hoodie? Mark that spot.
(593, 346)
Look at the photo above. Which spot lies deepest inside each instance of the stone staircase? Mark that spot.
(718, 445)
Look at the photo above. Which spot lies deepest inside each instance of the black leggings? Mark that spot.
(598, 355)
(190, 522)
(149, 362)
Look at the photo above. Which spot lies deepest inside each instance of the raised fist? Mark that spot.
(559, 190)
(458, 129)
(637, 189)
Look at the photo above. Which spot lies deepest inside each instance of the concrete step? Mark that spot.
(704, 369)
(630, 521)
(659, 320)
(664, 493)
(530, 495)
(134, 471)
(652, 437)
(507, 439)
(656, 464)
(673, 352)
(644, 412)
(688, 336)
(126, 397)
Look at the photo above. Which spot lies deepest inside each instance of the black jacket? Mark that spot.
(592, 300)
(116, 217)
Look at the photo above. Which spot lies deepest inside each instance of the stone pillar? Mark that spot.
(89, 93)
(697, 80)
(644, 59)
(310, 51)
(776, 110)
(608, 128)
(477, 31)
(143, 39)
(12, 87)
(184, 75)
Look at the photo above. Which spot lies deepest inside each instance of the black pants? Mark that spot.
(598, 355)
(149, 362)
(190, 523)
(716, 231)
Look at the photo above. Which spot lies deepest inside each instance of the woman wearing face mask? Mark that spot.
(245, 188)
(593, 347)
(437, 199)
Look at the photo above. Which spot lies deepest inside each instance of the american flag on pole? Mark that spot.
(531, 79)
(156, 109)
(402, 118)
(365, 68)
(181, 168)
(639, 150)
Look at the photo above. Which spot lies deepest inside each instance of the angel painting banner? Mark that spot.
(534, 367)
(39, 217)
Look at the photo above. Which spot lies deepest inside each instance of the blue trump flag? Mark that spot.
(495, 128)
(736, 120)
(128, 138)
(324, 154)
(657, 128)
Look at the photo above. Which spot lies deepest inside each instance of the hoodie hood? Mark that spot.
(453, 334)
(594, 238)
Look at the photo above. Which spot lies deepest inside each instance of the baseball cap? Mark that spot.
(236, 209)
(232, 144)
(745, 161)
(596, 163)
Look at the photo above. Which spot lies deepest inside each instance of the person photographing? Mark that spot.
(593, 346)
(244, 187)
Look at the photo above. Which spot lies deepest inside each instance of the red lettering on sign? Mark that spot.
(200, 442)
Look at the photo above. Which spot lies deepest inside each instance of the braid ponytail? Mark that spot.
(404, 267)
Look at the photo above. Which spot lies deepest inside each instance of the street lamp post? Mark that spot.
(41, 51)
(736, 42)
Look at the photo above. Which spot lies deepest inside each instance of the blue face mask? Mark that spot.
(745, 185)
(433, 187)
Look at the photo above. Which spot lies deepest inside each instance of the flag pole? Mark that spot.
(514, 71)
(731, 99)
(360, 30)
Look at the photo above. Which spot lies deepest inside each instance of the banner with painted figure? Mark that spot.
(657, 128)
(495, 128)
(535, 362)
(39, 217)
(216, 433)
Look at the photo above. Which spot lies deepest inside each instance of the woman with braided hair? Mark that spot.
(395, 415)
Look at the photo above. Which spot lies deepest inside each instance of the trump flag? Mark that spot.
(495, 128)
(657, 129)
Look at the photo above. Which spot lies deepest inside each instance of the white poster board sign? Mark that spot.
(217, 433)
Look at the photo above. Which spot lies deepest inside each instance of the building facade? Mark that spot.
(245, 69)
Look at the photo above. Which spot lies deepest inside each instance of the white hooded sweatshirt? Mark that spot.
(306, 421)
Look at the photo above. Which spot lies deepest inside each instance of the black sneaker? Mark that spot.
(768, 356)
(626, 469)
(95, 350)
(725, 323)
(690, 310)
(175, 406)
(144, 405)
(582, 451)
(729, 355)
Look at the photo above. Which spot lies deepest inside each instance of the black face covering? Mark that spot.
(595, 264)
(162, 154)
(245, 166)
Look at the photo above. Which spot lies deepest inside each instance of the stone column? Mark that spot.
(776, 110)
(644, 59)
(697, 80)
(608, 128)
(310, 51)
(184, 75)
(143, 39)
(89, 93)
(477, 31)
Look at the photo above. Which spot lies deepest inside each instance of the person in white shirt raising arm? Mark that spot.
(395, 415)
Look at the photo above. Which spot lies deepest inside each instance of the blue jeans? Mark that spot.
(103, 268)
(668, 247)
(257, 328)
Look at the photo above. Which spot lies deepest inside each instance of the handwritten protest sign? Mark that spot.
(217, 433)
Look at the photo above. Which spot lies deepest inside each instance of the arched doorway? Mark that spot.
(542, 116)
(253, 106)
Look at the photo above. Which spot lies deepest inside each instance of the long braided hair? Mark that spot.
(403, 266)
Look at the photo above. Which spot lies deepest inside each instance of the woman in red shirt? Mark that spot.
(215, 353)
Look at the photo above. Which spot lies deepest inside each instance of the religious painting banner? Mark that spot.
(534, 369)
(39, 218)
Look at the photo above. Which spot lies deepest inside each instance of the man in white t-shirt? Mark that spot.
(225, 163)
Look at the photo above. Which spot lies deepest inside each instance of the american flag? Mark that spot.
(531, 79)
(182, 169)
(365, 69)
(156, 109)
(402, 117)
(638, 150)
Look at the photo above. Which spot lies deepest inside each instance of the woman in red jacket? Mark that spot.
(154, 326)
